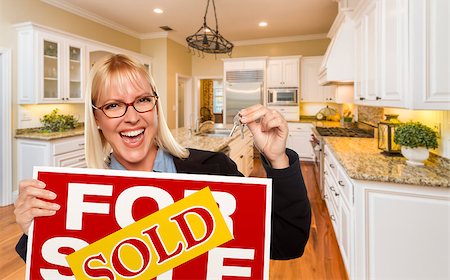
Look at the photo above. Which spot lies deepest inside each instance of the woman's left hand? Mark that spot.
(270, 132)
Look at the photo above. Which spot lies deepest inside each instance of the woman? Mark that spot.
(125, 129)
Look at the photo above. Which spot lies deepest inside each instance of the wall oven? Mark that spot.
(282, 96)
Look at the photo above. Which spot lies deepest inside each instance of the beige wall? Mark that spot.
(210, 65)
(179, 61)
(439, 120)
(157, 49)
(17, 11)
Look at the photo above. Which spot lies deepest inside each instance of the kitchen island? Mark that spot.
(238, 149)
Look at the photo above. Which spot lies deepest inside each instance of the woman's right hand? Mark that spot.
(30, 203)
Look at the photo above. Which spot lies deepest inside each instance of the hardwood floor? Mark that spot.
(321, 260)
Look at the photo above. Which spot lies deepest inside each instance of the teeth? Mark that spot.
(132, 133)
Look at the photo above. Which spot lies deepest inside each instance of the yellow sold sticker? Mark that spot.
(156, 243)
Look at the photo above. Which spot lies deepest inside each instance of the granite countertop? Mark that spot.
(190, 140)
(37, 134)
(316, 122)
(362, 160)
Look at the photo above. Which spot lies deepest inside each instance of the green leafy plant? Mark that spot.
(415, 134)
(55, 122)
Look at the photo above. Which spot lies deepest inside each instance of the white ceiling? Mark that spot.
(238, 19)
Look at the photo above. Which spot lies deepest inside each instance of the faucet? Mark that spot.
(201, 124)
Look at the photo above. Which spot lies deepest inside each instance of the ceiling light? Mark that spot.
(209, 42)
(262, 24)
(158, 11)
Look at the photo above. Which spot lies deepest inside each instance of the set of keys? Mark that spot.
(237, 124)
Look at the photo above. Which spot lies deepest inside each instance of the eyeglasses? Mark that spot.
(117, 109)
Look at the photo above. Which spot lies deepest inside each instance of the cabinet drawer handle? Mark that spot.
(341, 183)
(325, 172)
(325, 196)
(333, 218)
(362, 98)
(331, 165)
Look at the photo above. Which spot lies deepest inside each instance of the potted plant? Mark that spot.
(415, 139)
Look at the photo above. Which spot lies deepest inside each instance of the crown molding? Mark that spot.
(91, 16)
(281, 39)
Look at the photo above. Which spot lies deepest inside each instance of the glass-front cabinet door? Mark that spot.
(75, 72)
(51, 70)
(62, 70)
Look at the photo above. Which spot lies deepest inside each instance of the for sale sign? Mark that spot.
(124, 224)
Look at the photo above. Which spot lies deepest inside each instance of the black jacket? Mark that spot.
(291, 212)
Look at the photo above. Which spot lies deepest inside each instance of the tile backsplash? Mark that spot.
(29, 115)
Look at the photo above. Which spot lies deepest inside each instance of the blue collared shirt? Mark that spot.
(163, 163)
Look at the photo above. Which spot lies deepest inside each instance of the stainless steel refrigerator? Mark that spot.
(242, 89)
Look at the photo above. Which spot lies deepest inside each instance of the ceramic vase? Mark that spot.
(415, 156)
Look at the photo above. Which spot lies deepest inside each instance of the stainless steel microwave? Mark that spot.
(282, 96)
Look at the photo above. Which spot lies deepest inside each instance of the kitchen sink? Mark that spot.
(216, 133)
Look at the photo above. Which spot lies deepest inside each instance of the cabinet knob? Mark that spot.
(362, 98)
(333, 217)
(377, 98)
(331, 165)
(341, 183)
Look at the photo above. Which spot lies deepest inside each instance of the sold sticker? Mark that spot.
(156, 243)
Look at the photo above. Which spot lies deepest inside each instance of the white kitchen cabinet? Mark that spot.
(429, 57)
(252, 63)
(401, 231)
(411, 54)
(339, 190)
(391, 46)
(51, 66)
(241, 152)
(64, 152)
(366, 54)
(283, 72)
(290, 113)
(312, 91)
(388, 230)
(299, 140)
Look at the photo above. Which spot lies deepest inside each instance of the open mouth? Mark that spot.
(132, 136)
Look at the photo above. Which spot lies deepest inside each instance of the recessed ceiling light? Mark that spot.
(158, 11)
(262, 24)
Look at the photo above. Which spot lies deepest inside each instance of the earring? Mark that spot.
(98, 127)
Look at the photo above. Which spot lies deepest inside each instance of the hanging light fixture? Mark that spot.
(209, 40)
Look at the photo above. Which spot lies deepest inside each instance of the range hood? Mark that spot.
(338, 64)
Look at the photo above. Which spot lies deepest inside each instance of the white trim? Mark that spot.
(188, 114)
(91, 16)
(6, 148)
(280, 39)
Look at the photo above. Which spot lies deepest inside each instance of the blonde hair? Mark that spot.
(122, 69)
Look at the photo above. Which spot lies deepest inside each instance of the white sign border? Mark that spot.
(164, 175)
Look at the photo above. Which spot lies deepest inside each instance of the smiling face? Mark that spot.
(132, 135)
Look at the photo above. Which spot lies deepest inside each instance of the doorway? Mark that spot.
(209, 97)
(184, 105)
(5, 128)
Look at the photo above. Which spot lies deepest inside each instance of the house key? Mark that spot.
(237, 123)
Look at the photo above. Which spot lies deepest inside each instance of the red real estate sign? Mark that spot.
(98, 203)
